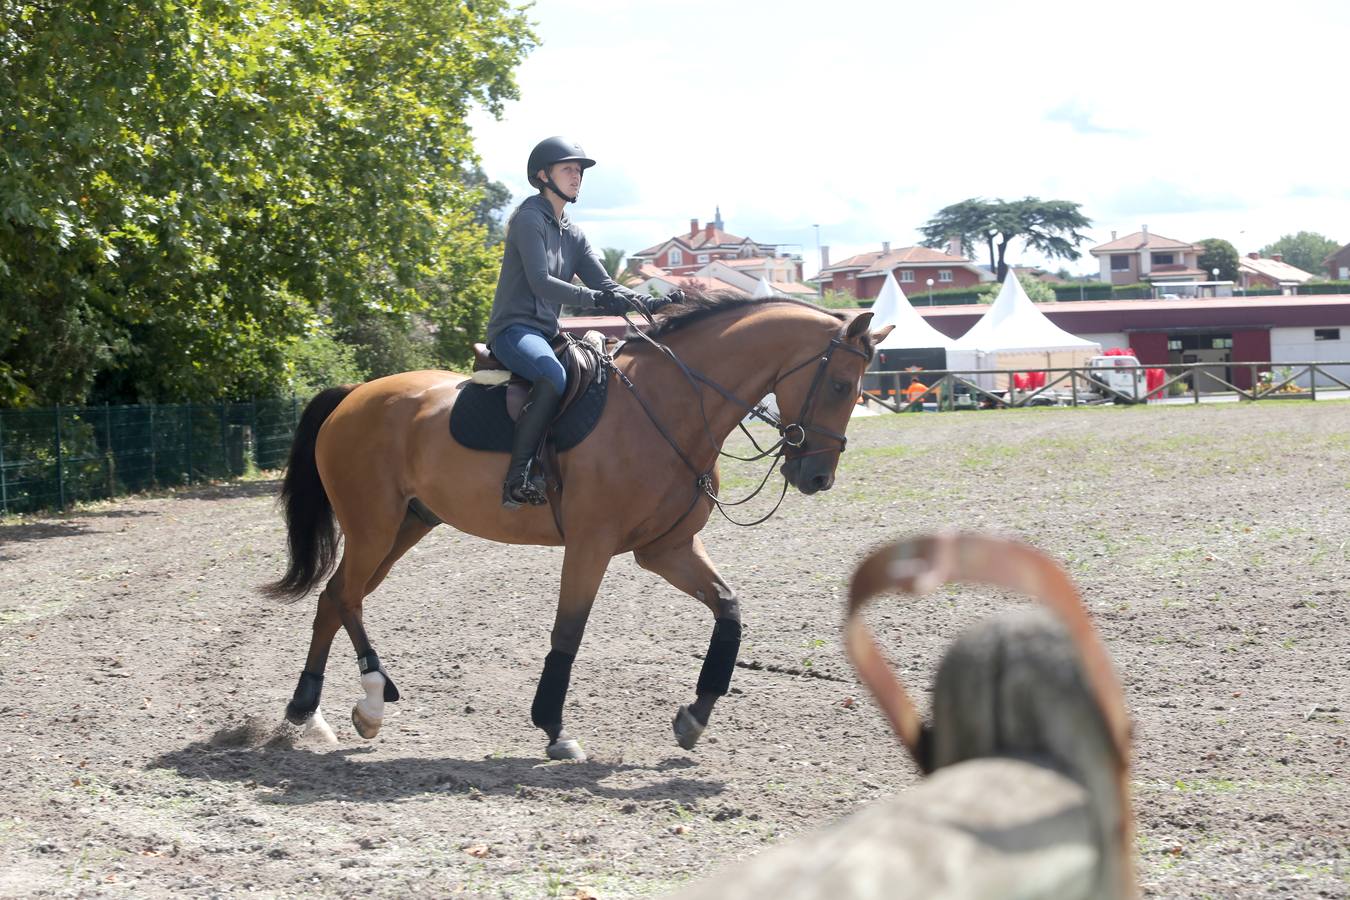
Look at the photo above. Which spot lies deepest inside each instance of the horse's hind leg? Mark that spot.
(688, 568)
(304, 705)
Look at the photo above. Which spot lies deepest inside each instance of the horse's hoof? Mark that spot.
(317, 728)
(365, 727)
(687, 728)
(566, 749)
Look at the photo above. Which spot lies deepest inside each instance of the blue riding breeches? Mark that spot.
(527, 353)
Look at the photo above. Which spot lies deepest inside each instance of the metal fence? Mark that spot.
(994, 388)
(54, 457)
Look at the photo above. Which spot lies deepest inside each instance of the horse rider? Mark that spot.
(544, 250)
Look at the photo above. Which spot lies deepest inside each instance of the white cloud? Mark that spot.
(1199, 118)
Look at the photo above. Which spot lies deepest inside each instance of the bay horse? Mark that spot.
(378, 456)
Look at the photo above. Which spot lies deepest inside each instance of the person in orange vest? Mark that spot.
(916, 389)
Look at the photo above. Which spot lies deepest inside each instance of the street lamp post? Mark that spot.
(930, 292)
(820, 264)
(1215, 288)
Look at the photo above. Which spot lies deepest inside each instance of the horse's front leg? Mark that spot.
(583, 570)
(688, 568)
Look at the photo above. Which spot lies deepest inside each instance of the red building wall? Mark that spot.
(961, 278)
(1249, 346)
(1150, 347)
(844, 281)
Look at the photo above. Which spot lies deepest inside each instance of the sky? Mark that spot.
(1199, 119)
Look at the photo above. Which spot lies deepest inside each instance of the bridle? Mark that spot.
(791, 436)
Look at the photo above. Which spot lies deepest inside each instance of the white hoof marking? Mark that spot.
(317, 727)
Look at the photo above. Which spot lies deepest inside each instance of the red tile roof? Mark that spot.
(1139, 240)
(879, 262)
(698, 240)
(1277, 269)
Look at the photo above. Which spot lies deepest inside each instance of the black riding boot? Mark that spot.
(520, 488)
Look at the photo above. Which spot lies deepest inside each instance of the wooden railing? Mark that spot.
(1074, 385)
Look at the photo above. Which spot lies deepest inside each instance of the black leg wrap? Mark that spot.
(371, 663)
(306, 698)
(715, 676)
(546, 710)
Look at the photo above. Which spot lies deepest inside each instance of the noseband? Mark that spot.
(791, 436)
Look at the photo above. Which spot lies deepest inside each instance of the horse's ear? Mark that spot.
(880, 334)
(858, 327)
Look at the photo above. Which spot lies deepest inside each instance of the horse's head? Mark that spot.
(816, 399)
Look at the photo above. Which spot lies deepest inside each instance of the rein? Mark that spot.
(790, 436)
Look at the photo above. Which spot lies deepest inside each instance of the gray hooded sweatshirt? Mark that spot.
(541, 256)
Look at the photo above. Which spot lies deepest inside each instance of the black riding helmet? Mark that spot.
(554, 150)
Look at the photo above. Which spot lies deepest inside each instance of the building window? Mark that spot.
(1174, 344)
(907, 276)
(676, 257)
(1326, 334)
(703, 257)
(1161, 259)
(1221, 343)
(1120, 262)
(944, 274)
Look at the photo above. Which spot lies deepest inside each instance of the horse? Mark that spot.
(377, 457)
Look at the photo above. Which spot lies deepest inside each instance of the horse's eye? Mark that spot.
(841, 387)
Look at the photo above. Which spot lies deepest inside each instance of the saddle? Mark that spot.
(581, 359)
(484, 416)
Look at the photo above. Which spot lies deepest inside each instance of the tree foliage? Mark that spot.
(1050, 227)
(1216, 253)
(1306, 250)
(190, 190)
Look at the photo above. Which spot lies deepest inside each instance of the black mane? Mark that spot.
(699, 305)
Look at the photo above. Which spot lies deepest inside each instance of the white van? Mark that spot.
(1116, 372)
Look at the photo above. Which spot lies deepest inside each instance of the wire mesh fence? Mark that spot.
(51, 458)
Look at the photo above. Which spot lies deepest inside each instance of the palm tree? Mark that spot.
(612, 259)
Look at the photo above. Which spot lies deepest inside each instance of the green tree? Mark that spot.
(1216, 253)
(1307, 250)
(1050, 227)
(490, 209)
(1036, 289)
(612, 259)
(186, 188)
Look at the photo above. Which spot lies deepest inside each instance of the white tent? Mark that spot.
(763, 290)
(911, 329)
(1014, 334)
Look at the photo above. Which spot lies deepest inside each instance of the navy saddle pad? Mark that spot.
(479, 421)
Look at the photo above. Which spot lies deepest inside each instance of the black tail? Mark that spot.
(310, 535)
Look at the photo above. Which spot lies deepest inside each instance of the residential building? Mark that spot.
(1338, 264)
(685, 254)
(1143, 256)
(1039, 274)
(740, 276)
(864, 274)
(1256, 272)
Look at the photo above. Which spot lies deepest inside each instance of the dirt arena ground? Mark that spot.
(144, 680)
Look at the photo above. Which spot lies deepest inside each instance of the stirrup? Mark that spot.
(527, 491)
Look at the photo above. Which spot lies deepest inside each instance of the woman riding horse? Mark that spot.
(544, 249)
